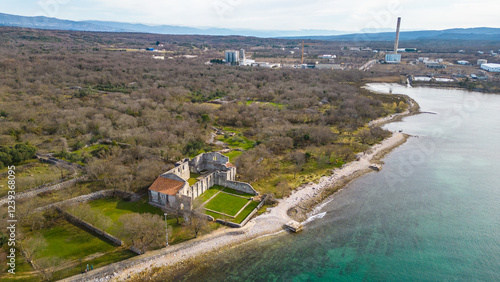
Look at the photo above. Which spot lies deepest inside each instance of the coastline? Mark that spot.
(300, 205)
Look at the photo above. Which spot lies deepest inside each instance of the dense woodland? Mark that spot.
(93, 99)
(64, 91)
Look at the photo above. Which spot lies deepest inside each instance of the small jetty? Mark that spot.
(294, 226)
(376, 167)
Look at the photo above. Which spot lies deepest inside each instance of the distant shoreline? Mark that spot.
(299, 205)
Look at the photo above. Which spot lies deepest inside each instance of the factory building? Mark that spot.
(232, 56)
(491, 67)
(395, 58)
(481, 61)
(242, 55)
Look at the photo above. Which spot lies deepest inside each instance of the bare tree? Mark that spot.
(94, 217)
(283, 187)
(30, 246)
(178, 209)
(298, 159)
(197, 221)
(143, 231)
(47, 266)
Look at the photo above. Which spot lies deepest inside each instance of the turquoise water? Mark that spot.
(431, 214)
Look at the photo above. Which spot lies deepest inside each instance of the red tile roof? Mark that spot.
(229, 164)
(166, 186)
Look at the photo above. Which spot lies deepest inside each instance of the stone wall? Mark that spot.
(173, 176)
(89, 197)
(201, 186)
(42, 189)
(87, 226)
(208, 161)
(245, 221)
(181, 169)
(236, 185)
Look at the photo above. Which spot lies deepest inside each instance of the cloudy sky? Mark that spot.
(342, 15)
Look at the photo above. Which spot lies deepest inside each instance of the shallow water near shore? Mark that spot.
(431, 214)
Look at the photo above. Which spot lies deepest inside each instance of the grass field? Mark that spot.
(237, 141)
(233, 155)
(192, 179)
(236, 192)
(244, 213)
(71, 243)
(115, 208)
(209, 193)
(226, 203)
(279, 106)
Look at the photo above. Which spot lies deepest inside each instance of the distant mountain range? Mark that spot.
(105, 26)
(477, 33)
(480, 33)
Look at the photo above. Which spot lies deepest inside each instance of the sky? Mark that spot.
(340, 15)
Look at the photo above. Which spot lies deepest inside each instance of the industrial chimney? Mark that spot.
(396, 43)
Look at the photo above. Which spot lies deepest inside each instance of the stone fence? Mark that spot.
(87, 226)
(236, 185)
(55, 161)
(245, 221)
(89, 197)
(42, 189)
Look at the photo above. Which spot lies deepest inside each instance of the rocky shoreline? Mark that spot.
(298, 206)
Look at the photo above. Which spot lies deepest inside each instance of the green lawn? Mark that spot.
(70, 242)
(115, 208)
(226, 203)
(233, 155)
(244, 213)
(279, 106)
(236, 192)
(111, 257)
(237, 141)
(192, 179)
(209, 193)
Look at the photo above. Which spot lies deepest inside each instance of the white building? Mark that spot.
(327, 56)
(481, 61)
(462, 62)
(242, 55)
(491, 67)
(393, 58)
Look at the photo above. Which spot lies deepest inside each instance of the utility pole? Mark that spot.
(166, 229)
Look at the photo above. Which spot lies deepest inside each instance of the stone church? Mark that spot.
(172, 187)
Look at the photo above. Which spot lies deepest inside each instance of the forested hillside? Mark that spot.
(82, 97)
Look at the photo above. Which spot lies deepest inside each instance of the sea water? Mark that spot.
(431, 214)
